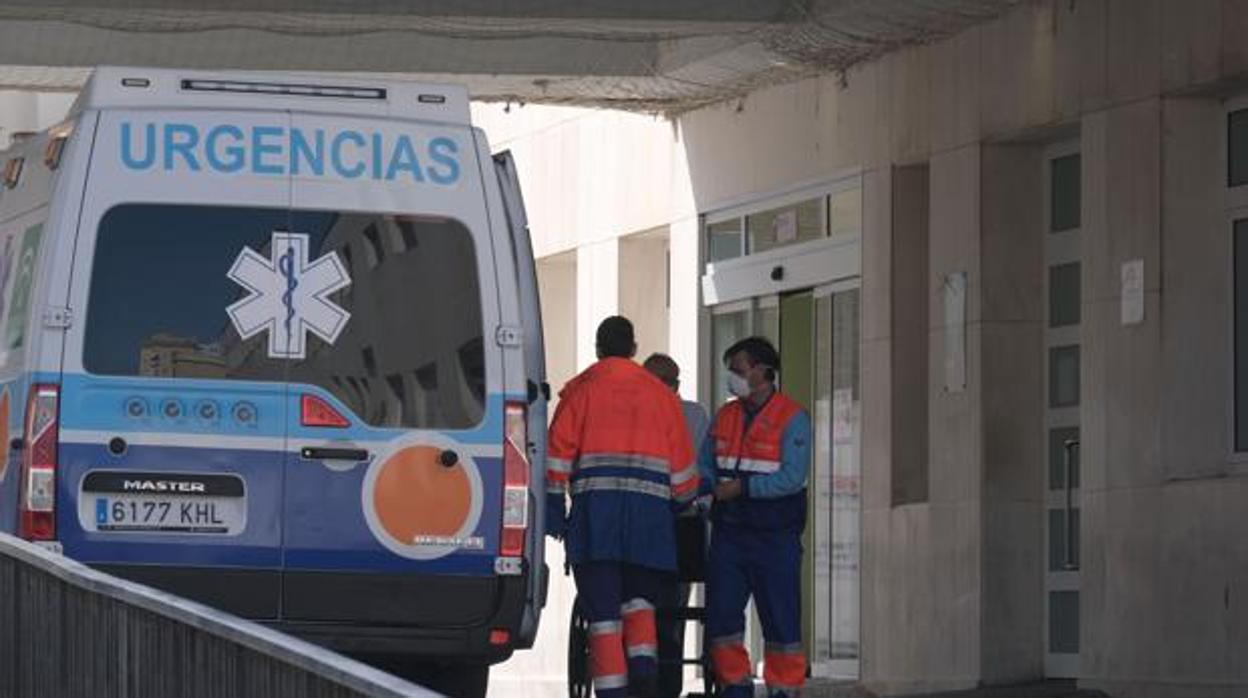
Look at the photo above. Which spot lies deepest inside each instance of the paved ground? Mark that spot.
(1046, 689)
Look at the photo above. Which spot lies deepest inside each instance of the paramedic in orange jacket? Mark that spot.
(757, 460)
(619, 446)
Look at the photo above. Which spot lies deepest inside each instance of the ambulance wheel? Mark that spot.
(579, 683)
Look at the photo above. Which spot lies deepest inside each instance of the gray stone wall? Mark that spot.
(952, 587)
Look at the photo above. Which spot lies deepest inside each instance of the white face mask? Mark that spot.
(738, 385)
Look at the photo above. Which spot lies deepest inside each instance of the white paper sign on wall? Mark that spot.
(954, 303)
(786, 226)
(843, 416)
(1133, 292)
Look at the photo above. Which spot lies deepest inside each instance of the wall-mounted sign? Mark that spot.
(953, 294)
(1133, 292)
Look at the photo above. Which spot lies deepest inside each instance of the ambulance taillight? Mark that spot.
(515, 480)
(37, 520)
(315, 412)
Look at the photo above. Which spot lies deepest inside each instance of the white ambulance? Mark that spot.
(272, 343)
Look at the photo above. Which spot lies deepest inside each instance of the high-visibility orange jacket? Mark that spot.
(618, 444)
(769, 452)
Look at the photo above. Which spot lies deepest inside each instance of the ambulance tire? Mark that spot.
(579, 683)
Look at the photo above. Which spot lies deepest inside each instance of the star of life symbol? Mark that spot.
(288, 296)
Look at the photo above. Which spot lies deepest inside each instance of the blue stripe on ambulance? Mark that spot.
(99, 405)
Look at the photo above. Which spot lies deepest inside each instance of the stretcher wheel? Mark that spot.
(580, 685)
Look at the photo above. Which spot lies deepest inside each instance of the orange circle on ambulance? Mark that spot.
(419, 508)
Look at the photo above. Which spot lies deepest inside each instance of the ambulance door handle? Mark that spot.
(321, 453)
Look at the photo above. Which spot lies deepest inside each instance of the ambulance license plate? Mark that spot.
(172, 514)
(119, 502)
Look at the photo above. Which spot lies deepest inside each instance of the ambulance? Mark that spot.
(272, 343)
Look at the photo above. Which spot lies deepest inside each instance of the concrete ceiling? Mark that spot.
(653, 55)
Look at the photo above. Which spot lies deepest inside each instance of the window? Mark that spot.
(838, 214)
(19, 254)
(1065, 199)
(1064, 294)
(1241, 334)
(411, 354)
(911, 281)
(845, 211)
(1058, 453)
(724, 240)
(1064, 376)
(786, 225)
(1060, 539)
(1064, 622)
(1237, 148)
(726, 329)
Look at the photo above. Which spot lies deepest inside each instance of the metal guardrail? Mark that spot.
(67, 630)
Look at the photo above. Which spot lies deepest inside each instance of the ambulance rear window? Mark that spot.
(381, 311)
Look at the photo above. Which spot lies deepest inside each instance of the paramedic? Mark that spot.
(618, 445)
(675, 595)
(756, 461)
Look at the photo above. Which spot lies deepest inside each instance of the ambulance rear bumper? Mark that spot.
(431, 616)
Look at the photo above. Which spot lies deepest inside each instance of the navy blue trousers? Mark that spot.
(618, 599)
(765, 565)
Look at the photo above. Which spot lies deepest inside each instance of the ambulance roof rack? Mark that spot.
(276, 88)
(124, 88)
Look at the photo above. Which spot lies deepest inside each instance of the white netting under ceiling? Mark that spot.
(644, 55)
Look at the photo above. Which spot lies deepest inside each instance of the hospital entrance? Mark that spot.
(787, 267)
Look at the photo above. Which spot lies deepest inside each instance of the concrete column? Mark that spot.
(597, 294)
(879, 632)
(950, 526)
(31, 111)
(922, 561)
(685, 282)
(1195, 245)
(1012, 262)
(19, 111)
(556, 278)
(1120, 460)
(643, 288)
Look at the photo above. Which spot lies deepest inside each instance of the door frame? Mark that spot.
(764, 296)
(1059, 248)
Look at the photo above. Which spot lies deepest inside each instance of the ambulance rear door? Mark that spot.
(394, 477)
(173, 400)
(538, 391)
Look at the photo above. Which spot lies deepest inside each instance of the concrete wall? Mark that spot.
(606, 187)
(953, 586)
(643, 284)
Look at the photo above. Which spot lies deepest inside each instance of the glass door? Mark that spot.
(836, 512)
(729, 323)
(797, 380)
(1063, 300)
(810, 312)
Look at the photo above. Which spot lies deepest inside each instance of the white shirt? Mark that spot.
(697, 422)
